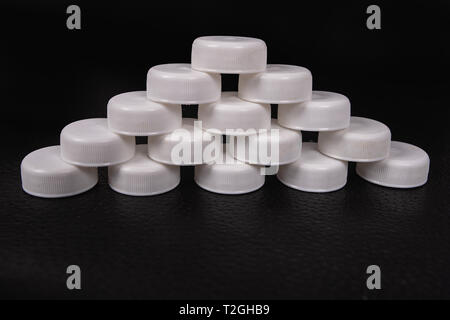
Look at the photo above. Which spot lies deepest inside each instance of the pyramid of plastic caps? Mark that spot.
(254, 145)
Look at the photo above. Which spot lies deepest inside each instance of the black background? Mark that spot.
(275, 243)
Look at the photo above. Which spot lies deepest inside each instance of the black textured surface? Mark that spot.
(190, 243)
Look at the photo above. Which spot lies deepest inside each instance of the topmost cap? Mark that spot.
(229, 54)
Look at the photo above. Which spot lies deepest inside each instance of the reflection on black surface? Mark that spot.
(192, 243)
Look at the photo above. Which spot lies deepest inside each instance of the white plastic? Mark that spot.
(278, 84)
(45, 174)
(132, 114)
(229, 54)
(406, 167)
(365, 140)
(177, 83)
(326, 111)
(314, 172)
(141, 176)
(229, 177)
(90, 143)
(170, 148)
(233, 113)
(277, 146)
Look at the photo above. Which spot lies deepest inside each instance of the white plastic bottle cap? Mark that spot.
(326, 111)
(234, 114)
(141, 176)
(277, 146)
(314, 172)
(46, 175)
(229, 54)
(229, 177)
(406, 167)
(177, 83)
(364, 140)
(182, 147)
(90, 143)
(279, 84)
(133, 114)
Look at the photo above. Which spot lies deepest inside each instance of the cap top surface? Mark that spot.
(277, 84)
(231, 99)
(321, 97)
(90, 143)
(176, 69)
(233, 116)
(229, 177)
(133, 114)
(270, 147)
(364, 126)
(405, 152)
(141, 176)
(178, 83)
(311, 157)
(229, 54)
(230, 41)
(89, 130)
(134, 100)
(326, 111)
(46, 159)
(314, 172)
(406, 166)
(281, 69)
(45, 174)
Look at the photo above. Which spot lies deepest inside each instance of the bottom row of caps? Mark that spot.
(45, 174)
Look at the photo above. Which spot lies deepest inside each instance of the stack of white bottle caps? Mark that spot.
(254, 140)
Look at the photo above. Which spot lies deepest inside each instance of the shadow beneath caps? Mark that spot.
(79, 205)
(388, 200)
(224, 204)
(176, 200)
(272, 199)
(287, 201)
